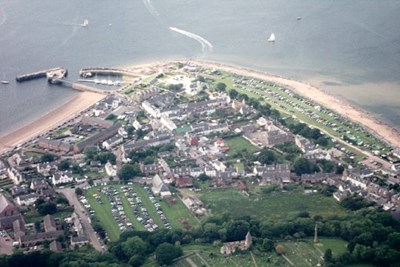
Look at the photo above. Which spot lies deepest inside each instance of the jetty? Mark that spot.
(89, 72)
(58, 71)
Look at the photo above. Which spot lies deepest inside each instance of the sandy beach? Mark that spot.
(357, 115)
(50, 120)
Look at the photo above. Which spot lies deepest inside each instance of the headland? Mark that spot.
(85, 99)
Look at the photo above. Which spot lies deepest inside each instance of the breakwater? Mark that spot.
(40, 74)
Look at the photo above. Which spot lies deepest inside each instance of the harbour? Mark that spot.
(56, 72)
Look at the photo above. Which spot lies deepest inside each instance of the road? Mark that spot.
(87, 226)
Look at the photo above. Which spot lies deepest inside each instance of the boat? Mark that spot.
(271, 38)
(298, 18)
(85, 23)
(5, 82)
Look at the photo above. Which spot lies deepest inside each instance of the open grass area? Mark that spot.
(103, 213)
(238, 144)
(177, 213)
(338, 246)
(269, 205)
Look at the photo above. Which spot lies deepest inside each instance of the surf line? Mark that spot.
(205, 44)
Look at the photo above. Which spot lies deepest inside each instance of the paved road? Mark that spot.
(87, 226)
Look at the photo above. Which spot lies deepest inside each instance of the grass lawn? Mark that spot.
(338, 246)
(103, 213)
(275, 205)
(178, 214)
(238, 144)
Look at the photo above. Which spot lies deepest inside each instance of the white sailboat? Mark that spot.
(271, 38)
(85, 23)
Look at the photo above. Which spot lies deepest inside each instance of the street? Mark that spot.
(92, 235)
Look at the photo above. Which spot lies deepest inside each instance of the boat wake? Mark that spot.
(151, 8)
(206, 46)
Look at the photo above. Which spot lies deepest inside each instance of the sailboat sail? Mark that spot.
(271, 38)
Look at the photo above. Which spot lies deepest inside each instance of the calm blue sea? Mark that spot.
(348, 48)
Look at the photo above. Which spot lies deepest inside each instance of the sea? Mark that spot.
(348, 48)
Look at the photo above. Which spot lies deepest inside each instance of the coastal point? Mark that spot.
(153, 148)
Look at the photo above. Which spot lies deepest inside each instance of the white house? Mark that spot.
(159, 187)
(110, 169)
(15, 175)
(26, 200)
(62, 178)
(112, 142)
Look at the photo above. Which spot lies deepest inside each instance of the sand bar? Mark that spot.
(341, 106)
(50, 120)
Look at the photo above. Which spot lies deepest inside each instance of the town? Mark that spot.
(148, 150)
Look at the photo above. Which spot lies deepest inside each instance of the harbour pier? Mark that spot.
(80, 87)
(60, 72)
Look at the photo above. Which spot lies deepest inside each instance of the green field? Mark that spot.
(274, 205)
(103, 213)
(177, 213)
(338, 246)
(238, 144)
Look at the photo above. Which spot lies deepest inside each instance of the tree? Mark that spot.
(266, 156)
(233, 93)
(267, 245)
(134, 246)
(47, 208)
(129, 171)
(328, 255)
(280, 249)
(90, 152)
(237, 230)
(302, 166)
(111, 117)
(47, 158)
(79, 191)
(221, 87)
(103, 157)
(204, 177)
(63, 165)
(166, 253)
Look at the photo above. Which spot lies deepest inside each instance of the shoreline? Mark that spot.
(49, 120)
(337, 104)
(84, 100)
